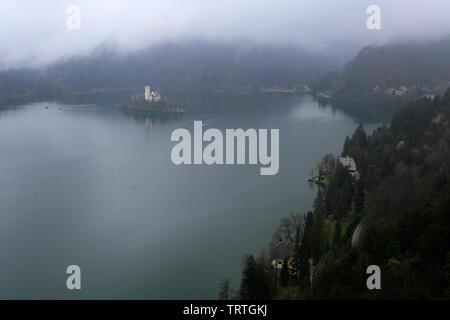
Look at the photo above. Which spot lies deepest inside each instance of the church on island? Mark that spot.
(151, 96)
(150, 101)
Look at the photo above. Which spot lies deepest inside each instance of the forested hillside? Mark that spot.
(233, 67)
(401, 203)
(26, 82)
(192, 64)
(390, 74)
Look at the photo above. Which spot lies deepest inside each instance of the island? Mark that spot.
(150, 101)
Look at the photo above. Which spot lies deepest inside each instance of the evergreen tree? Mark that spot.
(296, 257)
(224, 289)
(337, 234)
(359, 138)
(304, 250)
(255, 282)
(284, 276)
(360, 197)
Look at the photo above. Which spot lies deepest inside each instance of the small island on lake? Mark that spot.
(151, 101)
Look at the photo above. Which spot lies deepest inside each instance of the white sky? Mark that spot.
(35, 32)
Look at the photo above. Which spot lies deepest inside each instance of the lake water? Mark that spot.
(94, 186)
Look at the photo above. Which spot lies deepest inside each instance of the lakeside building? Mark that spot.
(284, 250)
(350, 164)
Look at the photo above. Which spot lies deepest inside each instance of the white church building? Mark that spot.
(151, 96)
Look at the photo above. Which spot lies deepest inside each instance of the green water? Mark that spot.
(93, 186)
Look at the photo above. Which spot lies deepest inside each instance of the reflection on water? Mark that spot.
(88, 185)
(311, 112)
(152, 119)
(365, 112)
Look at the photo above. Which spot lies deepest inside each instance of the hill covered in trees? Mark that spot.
(191, 65)
(26, 82)
(390, 74)
(400, 204)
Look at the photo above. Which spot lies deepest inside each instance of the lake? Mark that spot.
(94, 186)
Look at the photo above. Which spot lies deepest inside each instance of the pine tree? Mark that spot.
(296, 257)
(359, 196)
(224, 289)
(337, 234)
(284, 276)
(305, 250)
(255, 282)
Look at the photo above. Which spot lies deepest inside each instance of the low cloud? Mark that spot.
(35, 32)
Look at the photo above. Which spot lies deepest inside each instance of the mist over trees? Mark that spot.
(199, 65)
(420, 67)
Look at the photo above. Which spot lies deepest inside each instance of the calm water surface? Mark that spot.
(93, 186)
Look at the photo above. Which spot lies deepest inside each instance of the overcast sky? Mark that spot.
(35, 32)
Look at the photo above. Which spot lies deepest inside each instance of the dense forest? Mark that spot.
(26, 82)
(387, 75)
(189, 65)
(377, 72)
(400, 201)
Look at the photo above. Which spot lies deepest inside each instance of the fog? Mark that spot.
(34, 33)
